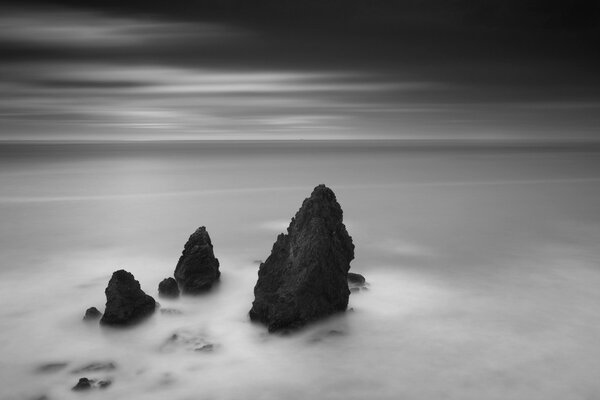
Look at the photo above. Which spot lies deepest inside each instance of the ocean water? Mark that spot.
(483, 267)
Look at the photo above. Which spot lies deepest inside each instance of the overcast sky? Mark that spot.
(264, 69)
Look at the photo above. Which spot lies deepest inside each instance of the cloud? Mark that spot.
(58, 27)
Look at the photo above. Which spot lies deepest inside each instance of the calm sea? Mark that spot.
(483, 266)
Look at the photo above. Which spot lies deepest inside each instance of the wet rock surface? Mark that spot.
(168, 288)
(92, 314)
(306, 276)
(197, 269)
(126, 302)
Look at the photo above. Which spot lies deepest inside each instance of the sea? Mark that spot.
(482, 262)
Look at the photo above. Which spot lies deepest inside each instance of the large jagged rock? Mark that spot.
(197, 269)
(305, 277)
(126, 302)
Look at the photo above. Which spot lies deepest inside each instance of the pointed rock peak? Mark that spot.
(199, 237)
(305, 277)
(197, 269)
(126, 302)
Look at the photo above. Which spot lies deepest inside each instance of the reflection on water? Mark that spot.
(483, 272)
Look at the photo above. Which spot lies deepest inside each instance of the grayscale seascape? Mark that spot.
(482, 264)
(299, 199)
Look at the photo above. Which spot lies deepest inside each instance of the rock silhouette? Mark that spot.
(356, 279)
(197, 269)
(92, 314)
(305, 277)
(168, 288)
(126, 302)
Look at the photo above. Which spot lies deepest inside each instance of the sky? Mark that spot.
(289, 69)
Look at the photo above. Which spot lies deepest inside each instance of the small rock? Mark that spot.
(87, 384)
(168, 288)
(356, 279)
(356, 282)
(126, 302)
(187, 340)
(83, 384)
(92, 314)
(197, 269)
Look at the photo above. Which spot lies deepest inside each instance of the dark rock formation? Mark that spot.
(305, 277)
(356, 282)
(92, 314)
(197, 269)
(168, 288)
(126, 302)
(83, 384)
(356, 279)
(87, 384)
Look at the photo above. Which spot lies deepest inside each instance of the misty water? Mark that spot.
(483, 268)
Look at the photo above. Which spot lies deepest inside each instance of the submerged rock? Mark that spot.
(189, 341)
(126, 302)
(168, 288)
(87, 384)
(92, 314)
(197, 269)
(305, 277)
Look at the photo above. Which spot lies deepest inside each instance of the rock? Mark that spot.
(92, 314)
(356, 279)
(356, 282)
(168, 288)
(87, 384)
(189, 341)
(126, 302)
(305, 277)
(95, 367)
(197, 269)
(83, 384)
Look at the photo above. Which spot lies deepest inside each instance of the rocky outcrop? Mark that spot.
(92, 314)
(305, 277)
(126, 302)
(197, 269)
(168, 288)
